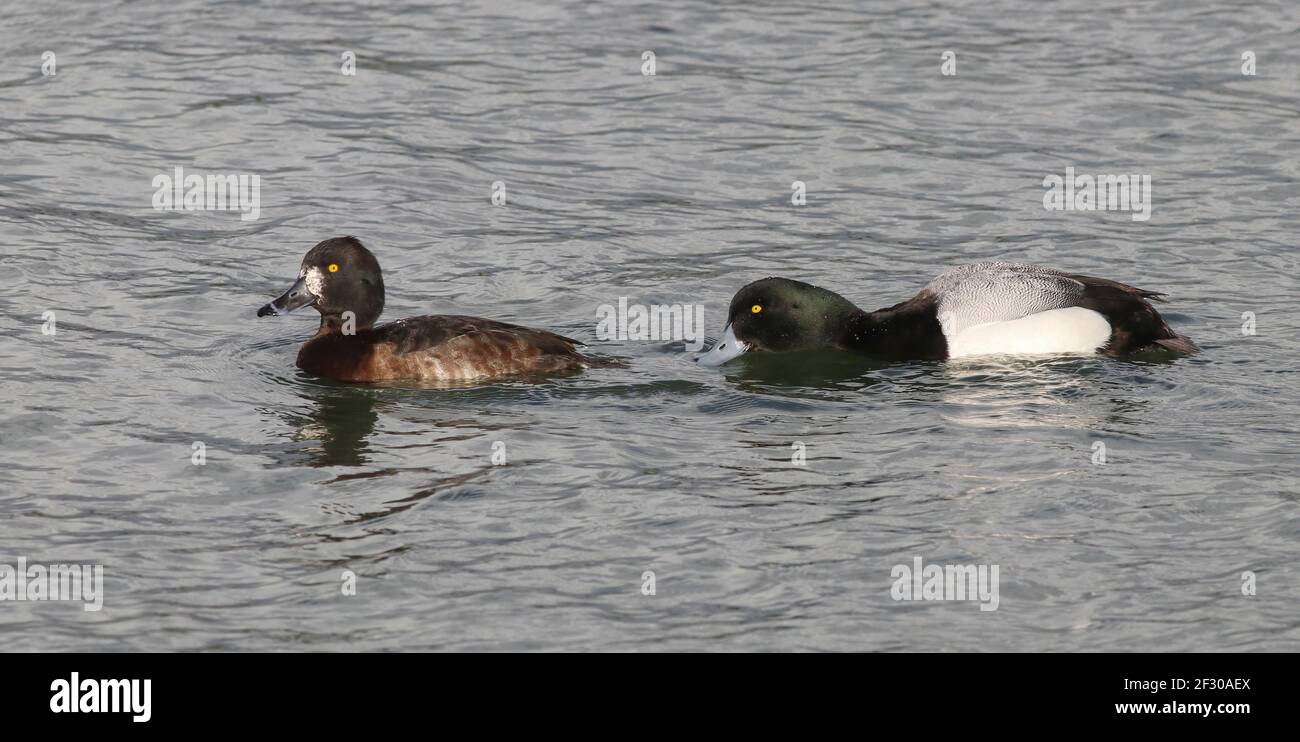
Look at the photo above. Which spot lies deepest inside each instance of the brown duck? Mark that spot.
(341, 279)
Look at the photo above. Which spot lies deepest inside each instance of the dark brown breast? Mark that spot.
(440, 348)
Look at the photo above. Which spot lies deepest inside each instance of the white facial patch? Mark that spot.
(314, 280)
(1069, 330)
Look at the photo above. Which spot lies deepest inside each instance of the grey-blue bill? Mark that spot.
(295, 298)
(727, 348)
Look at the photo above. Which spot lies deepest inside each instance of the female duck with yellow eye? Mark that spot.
(341, 280)
(970, 310)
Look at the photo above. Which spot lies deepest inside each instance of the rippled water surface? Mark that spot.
(674, 188)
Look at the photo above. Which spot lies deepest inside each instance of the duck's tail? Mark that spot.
(1177, 343)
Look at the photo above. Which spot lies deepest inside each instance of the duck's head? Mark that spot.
(337, 276)
(778, 314)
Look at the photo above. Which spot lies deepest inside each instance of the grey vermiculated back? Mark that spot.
(979, 293)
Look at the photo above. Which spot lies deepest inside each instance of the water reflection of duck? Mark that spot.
(342, 420)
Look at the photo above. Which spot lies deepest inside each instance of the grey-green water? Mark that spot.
(666, 189)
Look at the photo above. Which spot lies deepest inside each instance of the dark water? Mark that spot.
(666, 189)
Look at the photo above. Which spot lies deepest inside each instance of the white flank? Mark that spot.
(1069, 330)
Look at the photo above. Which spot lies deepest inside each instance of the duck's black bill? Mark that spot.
(295, 298)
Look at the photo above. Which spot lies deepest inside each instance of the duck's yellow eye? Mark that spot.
(334, 267)
(756, 308)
